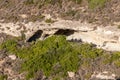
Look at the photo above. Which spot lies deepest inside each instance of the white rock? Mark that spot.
(71, 74)
(105, 72)
(23, 15)
(104, 75)
(112, 46)
(13, 57)
(108, 32)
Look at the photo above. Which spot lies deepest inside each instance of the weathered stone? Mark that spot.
(71, 74)
(13, 57)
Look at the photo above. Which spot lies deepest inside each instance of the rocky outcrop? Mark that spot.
(105, 37)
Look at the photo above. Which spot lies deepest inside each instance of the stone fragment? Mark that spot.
(71, 74)
(13, 57)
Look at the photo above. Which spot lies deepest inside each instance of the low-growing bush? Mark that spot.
(9, 45)
(54, 56)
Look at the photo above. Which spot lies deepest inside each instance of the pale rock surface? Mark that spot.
(105, 37)
(105, 75)
(13, 57)
(23, 16)
(71, 74)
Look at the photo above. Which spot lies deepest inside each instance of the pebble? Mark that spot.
(71, 74)
(13, 57)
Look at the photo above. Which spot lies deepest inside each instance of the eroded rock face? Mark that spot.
(105, 37)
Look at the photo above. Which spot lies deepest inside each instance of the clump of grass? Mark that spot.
(113, 58)
(41, 3)
(3, 77)
(96, 3)
(9, 45)
(77, 1)
(49, 20)
(28, 2)
(118, 26)
(34, 18)
(71, 13)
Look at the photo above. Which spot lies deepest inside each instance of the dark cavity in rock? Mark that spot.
(118, 79)
(35, 36)
(65, 32)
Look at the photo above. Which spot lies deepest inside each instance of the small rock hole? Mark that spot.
(65, 32)
(35, 36)
(118, 79)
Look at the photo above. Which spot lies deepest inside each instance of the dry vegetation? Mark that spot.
(95, 11)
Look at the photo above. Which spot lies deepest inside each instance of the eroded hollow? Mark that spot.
(65, 32)
(118, 79)
(35, 36)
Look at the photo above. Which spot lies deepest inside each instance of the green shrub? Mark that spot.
(56, 56)
(45, 54)
(112, 58)
(87, 51)
(9, 45)
(115, 58)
